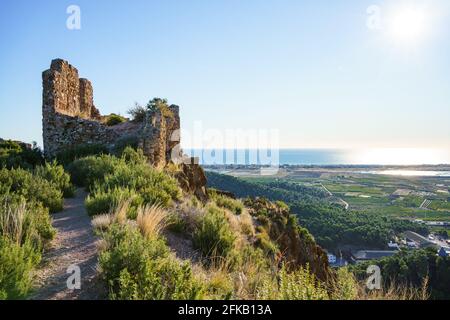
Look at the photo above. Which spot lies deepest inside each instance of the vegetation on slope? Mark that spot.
(334, 227)
(413, 268)
(330, 224)
(276, 191)
(237, 250)
(19, 155)
(229, 249)
(26, 198)
(112, 180)
(136, 264)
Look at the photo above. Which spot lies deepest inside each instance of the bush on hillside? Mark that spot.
(130, 171)
(214, 236)
(222, 201)
(114, 119)
(54, 173)
(21, 221)
(154, 186)
(297, 285)
(139, 268)
(19, 155)
(16, 264)
(32, 188)
(73, 153)
(24, 229)
(87, 171)
(103, 201)
(133, 156)
(137, 113)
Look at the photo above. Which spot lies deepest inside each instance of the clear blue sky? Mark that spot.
(312, 69)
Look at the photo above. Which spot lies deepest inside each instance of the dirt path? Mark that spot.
(74, 244)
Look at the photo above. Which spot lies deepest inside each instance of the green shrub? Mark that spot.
(161, 105)
(176, 223)
(154, 186)
(161, 279)
(131, 171)
(297, 285)
(32, 188)
(133, 156)
(21, 221)
(16, 263)
(101, 202)
(87, 171)
(114, 119)
(138, 113)
(346, 286)
(214, 236)
(233, 205)
(80, 151)
(15, 154)
(136, 268)
(130, 141)
(24, 229)
(55, 174)
(264, 242)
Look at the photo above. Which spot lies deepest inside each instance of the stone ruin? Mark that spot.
(71, 119)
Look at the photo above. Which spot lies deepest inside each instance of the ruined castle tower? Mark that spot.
(71, 119)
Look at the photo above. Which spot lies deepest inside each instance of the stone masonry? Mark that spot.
(70, 119)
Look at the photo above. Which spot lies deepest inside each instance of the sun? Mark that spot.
(408, 25)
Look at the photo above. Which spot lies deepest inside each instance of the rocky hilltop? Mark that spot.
(256, 245)
(71, 118)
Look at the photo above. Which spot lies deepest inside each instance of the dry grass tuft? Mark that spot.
(119, 213)
(151, 220)
(396, 292)
(12, 223)
(246, 224)
(102, 222)
(190, 213)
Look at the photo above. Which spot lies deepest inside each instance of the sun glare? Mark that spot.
(401, 156)
(408, 25)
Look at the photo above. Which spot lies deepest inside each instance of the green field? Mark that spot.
(379, 194)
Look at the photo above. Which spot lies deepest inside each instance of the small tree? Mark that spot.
(137, 112)
(158, 104)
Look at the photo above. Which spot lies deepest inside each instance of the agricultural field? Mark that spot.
(425, 198)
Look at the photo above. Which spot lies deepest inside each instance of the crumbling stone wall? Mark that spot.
(70, 118)
(87, 108)
(160, 137)
(69, 114)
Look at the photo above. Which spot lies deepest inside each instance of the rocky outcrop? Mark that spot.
(296, 244)
(192, 179)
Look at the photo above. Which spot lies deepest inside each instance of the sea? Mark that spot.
(328, 157)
